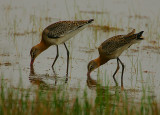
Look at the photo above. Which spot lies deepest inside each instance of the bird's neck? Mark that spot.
(101, 60)
(42, 46)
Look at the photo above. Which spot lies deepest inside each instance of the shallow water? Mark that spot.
(23, 21)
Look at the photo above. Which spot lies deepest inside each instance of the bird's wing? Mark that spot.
(62, 28)
(114, 43)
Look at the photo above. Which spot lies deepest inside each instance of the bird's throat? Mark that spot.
(101, 60)
(42, 46)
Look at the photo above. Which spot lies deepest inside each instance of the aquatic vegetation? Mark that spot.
(58, 101)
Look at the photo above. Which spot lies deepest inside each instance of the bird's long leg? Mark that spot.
(122, 72)
(67, 59)
(116, 72)
(55, 58)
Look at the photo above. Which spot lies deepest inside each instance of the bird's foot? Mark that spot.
(54, 72)
(66, 78)
(116, 84)
(122, 88)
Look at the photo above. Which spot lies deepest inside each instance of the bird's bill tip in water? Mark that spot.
(32, 61)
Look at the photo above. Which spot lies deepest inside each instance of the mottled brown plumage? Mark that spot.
(60, 32)
(56, 34)
(112, 49)
(115, 43)
(62, 28)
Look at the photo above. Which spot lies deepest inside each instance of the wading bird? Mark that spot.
(58, 33)
(112, 49)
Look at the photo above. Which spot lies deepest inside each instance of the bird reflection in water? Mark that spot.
(41, 80)
(93, 84)
(105, 93)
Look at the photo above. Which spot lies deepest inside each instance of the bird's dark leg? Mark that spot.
(67, 59)
(55, 81)
(122, 72)
(116, 72)
(55, 58)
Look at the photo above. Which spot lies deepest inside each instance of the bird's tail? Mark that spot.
(83, 23)
(139, 35)
(91, 20)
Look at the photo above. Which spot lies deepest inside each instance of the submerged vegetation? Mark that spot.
(58, 101)
(106, 28)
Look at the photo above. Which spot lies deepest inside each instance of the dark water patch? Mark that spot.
(134, 50)
(94, 12)
(106, 28)
(154, 49)
(86, 49)
(24, 33)
(10, 7)
(153, 42)
(5, 64)
(151, 47)
(133, 90)
(4, 55)
(139, 17)
(149, 72)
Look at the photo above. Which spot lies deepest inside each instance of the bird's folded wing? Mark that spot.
(60, 29)
(113, 44)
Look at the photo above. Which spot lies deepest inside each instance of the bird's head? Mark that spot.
(92, 65)
(34, 53)
(36, 50)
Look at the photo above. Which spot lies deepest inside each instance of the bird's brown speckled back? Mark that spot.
(114, 43)
(61, 28)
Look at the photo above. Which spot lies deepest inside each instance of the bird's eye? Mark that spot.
(91, 67)
(32, 54)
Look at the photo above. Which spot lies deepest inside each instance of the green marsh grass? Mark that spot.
(58, 101)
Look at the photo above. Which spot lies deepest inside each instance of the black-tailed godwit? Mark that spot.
(58, 33)
(112, 49)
